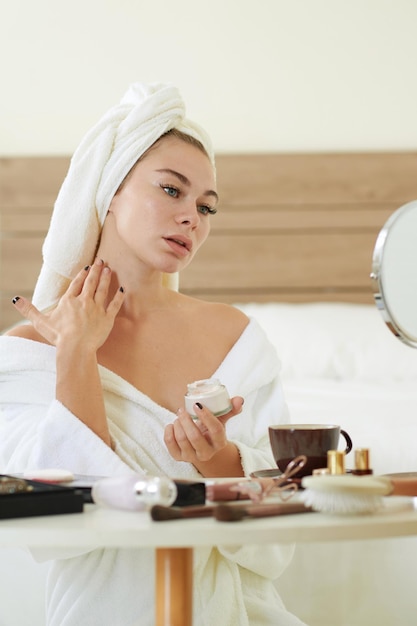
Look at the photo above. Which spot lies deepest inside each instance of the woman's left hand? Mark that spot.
(198, 441)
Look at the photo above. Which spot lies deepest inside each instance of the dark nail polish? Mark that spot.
(87, 267)
(121, 289)
(200, 406)
(15, 299)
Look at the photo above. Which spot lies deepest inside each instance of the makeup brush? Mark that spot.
(232, 513)
(347, 494)
(226, 512)
(161, 513)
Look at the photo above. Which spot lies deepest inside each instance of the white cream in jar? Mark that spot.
(211, 394)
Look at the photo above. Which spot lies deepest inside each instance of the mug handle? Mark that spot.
(348, 441)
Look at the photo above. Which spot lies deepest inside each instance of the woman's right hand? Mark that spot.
(84, 312)
(78, 326)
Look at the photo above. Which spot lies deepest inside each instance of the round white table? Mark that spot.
(174, 540)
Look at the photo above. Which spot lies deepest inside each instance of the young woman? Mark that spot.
(95, 381)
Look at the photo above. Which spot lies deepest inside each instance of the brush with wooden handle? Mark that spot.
(161, 513)
(226, 512)
(347, 494)
(232, 513)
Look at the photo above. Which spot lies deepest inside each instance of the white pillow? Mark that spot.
(334, 340)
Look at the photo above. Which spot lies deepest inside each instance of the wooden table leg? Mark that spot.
(174, 586)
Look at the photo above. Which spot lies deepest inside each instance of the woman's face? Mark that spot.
(162, 211)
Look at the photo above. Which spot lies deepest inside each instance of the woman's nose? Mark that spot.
(189, 216)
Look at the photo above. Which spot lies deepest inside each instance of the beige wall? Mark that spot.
(261, 75)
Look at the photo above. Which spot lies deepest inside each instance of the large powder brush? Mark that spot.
(348, 494)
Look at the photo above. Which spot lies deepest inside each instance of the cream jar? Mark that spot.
(211, 394)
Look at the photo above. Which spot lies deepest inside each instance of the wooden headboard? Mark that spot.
(291, 227)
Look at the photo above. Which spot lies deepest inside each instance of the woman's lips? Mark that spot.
(180, 245)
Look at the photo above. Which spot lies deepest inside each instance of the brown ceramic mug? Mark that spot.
(312, 440)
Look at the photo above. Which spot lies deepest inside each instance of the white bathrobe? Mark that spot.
(114, 587)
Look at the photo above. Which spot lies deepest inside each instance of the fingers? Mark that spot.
(27, 309)
(116, 303)
(199, 440)
(177, 440)
(77, 283)
(93, 282)
(237, 404)
(178, 444)
(189, 440)
(86, 308)
(89, 279)
(171, 444)
(97, 281)
(102, 285)
(32, 314)
(181, 444)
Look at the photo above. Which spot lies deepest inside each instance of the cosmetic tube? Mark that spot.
(336, 461)
(133, 492)
(362, 462)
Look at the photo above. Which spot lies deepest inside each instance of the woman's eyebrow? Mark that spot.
(185, 181)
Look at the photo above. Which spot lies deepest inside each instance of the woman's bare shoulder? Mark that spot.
(220, 308)
(227, 312)
(224, 318)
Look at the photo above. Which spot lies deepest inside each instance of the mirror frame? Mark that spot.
(377, 278)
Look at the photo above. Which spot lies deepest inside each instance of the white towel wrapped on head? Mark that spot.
(102, 160)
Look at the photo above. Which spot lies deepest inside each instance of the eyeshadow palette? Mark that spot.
(28, 498)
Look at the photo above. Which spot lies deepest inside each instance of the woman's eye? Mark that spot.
(171, 191)
(207, 210)
(174, 192)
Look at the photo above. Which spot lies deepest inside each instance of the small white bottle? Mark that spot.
(133, 492)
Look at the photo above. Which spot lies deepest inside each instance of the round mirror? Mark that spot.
(394, 273)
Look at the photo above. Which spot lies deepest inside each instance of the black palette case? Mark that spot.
(29, 498)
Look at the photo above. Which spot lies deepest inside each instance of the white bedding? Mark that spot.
(335, 341)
